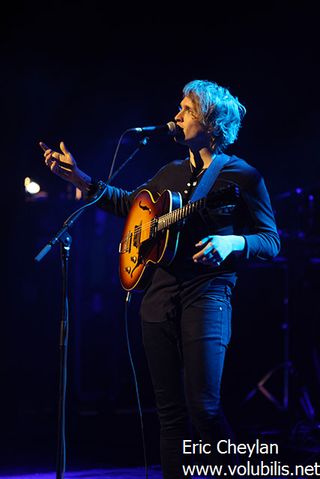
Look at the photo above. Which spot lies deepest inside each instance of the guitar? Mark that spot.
(151, 232)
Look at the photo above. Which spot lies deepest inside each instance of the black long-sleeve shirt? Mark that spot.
(183, 280)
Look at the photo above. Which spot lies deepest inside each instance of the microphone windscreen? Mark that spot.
(172, 127)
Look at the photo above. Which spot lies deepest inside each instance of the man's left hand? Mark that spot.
(216, 249)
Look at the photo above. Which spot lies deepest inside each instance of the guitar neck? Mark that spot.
(179, 214)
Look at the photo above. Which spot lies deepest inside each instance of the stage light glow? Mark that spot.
(30, 186)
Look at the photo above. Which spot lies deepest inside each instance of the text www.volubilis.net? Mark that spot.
(274, 469)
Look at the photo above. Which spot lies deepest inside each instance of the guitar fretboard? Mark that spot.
(179, 214)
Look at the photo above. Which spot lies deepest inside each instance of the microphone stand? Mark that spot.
(64, 238)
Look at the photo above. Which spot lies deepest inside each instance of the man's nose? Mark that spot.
(178, 116)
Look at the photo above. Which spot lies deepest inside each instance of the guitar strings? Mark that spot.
(186, 209)
(179, 211)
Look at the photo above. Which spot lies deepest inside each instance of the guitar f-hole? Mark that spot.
(145, 208)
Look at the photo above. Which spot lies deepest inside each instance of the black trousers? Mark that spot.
(186, 357)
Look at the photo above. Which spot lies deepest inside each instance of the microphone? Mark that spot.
(169, 128)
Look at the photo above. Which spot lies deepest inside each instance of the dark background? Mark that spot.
(84, 73)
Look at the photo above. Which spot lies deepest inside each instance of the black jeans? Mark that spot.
(186, 356)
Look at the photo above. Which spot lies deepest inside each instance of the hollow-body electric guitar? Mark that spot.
(151, 232)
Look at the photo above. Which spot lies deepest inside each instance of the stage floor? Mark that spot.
(154, 472)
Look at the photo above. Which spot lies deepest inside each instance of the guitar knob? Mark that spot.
(134, 259)
(128, 269)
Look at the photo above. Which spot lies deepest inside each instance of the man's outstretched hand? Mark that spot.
(61, 164)
(64, 165)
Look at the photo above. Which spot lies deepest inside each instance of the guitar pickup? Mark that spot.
(137, 235)
(125, 244)
(154, 228)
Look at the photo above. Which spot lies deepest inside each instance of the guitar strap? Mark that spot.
(209, 177)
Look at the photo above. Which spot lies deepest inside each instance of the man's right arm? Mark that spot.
(64, 165)
(115, 200)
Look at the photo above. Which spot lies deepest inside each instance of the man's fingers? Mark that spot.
(63, 148)
(201, 254)
(51, 155)
(203, 241)
(66, 153)
(209, 248)
(208, 253)
(43, 146)
(52, 159)
(53, 165)
(57, 169)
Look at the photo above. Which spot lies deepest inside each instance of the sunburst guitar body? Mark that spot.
(151, 232)
(146, 240)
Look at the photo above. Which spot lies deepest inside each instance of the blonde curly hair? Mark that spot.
(220, 112)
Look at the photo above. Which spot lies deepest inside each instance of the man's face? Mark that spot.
(192, 133)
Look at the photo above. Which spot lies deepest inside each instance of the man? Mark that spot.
(186, 310)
